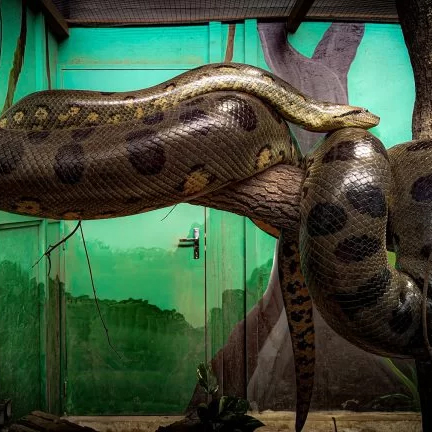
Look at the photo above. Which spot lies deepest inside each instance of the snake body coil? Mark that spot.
(347, 194)
(89, 155)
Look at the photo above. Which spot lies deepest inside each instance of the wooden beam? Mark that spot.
(298, 14)
(53, 17)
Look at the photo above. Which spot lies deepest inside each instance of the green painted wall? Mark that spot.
(29, 354)
(165, 311)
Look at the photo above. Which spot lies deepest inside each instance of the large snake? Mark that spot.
(89, 155)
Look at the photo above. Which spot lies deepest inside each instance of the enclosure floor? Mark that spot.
(338, 421)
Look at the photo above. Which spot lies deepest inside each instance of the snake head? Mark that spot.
(349, 116)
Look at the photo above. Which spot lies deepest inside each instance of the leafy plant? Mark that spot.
(410, 400)
(226, 413)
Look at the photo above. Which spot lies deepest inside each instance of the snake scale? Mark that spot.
(89, 155)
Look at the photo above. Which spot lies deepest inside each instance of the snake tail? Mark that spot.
(298, 306)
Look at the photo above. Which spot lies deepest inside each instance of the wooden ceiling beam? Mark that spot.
(53, 17)
(298, 14)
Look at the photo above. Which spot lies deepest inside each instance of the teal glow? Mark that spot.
(381, 80)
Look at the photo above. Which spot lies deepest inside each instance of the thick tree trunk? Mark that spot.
(416, 20)
(272, 197)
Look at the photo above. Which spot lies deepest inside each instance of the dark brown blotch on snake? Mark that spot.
(199, 118)
(293, 267)
(243, 114)
(354, 149)
(193, 115)
(421, 189)
(368, 199)
(82, 134)
(402, 318)
(326, 218)
(365, 296)
(304, 360)
(291, 287)
(69, 163)
(10, 155)
(37, 137)
(426, 250)
(153, 119)
(297, 316)
(300, 299)
(145, 152)
(344, 151)
(357, 248)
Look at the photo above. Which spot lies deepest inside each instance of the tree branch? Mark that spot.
(273, 197)
(416, 21)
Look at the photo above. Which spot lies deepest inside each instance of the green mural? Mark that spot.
(151, 366)
(158, 350)
(19, 356)
(19, 311)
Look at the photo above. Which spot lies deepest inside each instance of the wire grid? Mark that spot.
(356, 10)
(128, 12)
(106, 12)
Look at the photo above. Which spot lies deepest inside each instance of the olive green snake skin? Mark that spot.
(89, 155)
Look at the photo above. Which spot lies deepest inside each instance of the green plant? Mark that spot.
(226, 413)
(410, 400)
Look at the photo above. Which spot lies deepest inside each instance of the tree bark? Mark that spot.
(416, 20)
(273, 197)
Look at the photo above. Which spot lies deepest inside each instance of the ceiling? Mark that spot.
(144, 12)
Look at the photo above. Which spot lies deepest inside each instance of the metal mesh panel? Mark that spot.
(128, 12)
(356, 10)
(168, 11)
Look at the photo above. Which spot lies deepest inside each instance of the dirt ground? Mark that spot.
(339, 421)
